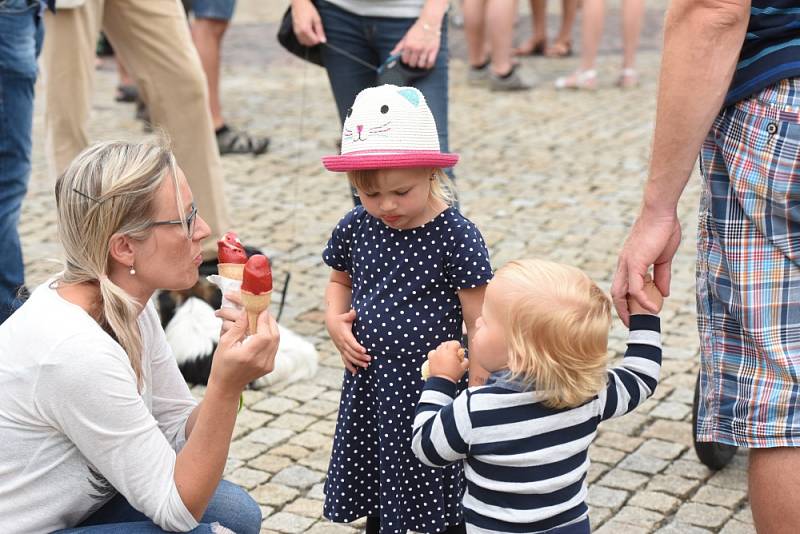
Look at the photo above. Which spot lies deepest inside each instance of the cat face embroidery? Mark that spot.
(386, 118)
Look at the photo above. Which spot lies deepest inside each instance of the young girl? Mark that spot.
(408, 268)
(543, 334)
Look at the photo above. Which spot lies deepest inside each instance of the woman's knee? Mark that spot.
(233, 508)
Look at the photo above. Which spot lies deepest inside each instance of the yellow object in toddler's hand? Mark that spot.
(425, 369)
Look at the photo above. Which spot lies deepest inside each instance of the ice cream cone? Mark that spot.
(254, 304)
(234, 271)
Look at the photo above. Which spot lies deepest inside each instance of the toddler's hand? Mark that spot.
(445, 361)
(340, 328)
(652, 293)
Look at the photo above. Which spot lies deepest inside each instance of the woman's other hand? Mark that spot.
(307, 23)
(238, 361)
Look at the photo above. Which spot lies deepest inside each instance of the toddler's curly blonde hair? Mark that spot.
(557, 330)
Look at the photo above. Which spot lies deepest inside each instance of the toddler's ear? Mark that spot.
(412, 94)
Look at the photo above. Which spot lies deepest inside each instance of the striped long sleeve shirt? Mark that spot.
(526, 463)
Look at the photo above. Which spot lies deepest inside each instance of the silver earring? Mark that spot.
(132, 271)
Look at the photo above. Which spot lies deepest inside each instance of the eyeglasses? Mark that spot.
(191, 218)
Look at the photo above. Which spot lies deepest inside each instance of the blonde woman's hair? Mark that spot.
(557, 330)
(442, 186)
(110, 188)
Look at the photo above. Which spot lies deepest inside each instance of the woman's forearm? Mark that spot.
(702, 42)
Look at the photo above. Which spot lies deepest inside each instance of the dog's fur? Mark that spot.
(193, 331)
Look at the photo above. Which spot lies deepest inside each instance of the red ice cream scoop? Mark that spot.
(230, 249)
(257, 277)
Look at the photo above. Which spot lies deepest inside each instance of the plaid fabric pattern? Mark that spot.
(748, 272)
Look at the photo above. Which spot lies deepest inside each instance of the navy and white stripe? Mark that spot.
(771, 49)
(526, 463)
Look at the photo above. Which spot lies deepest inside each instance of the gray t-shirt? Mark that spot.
(74, 430)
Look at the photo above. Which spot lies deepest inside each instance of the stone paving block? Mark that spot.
(327, 527)
(605, 455)
(312, 440)
(598, 516)
(737, 527)
(717, 496)
(623, 479)
(332, 396)
(273, 494)
(664, 450)
(244, 450)
(266, 511)
(231, 464)
(330, 377)
(292, 421)
(676, 527)
(252, 396)
(688, 469)
(298, 476)
(744, 516)
(317, 407)
(654, 500)
(628, 425)
(703, 515)
(679, 487)
(730, 478)
(683, 396)
(676, 411)
(617, 527)
(642, 463)
(615, 440)
(290, 523)
(317, 491)
(327, 427)
(603, 497)
(250, 419)
(595, 472)
(270, 463)
(317, 460)
(292, 451)
(247, 478)
(302, 392)
(641, 517)
(269, 436)
(275, 405)
(305, 507)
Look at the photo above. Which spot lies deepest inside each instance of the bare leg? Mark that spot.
(537, 41)
(500, 22)
(592, 28)
(632, 16)
(207, 35)
(775, 489)
(475, 31)
(124, 75)
(569, 9)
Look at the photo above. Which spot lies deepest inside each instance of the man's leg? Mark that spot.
(68, 58)
(211, 20)
(775, 489)
(153, 40)
(18, 51)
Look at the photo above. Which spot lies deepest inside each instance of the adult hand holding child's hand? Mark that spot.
(445, 361)
(340, 328)
(652, 294)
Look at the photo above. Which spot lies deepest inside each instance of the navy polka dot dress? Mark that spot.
(405, 285)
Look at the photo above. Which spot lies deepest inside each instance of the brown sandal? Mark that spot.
(559, 49)
(531, 48)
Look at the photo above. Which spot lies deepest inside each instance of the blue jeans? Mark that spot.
(230, 506)
(371, 39)
(20, 41)
(213, 9)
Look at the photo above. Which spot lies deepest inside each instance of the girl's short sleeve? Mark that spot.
(468, 263)
(338, 251)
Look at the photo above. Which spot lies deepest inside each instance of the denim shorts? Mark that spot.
(748, 272)
(213, 9)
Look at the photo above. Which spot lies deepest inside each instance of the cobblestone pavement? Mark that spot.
(542, 173)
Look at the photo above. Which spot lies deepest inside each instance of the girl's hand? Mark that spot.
(229, 315)
(307, 23)
(420, 45)
(237, 363)
(445, 362)
(340, 328)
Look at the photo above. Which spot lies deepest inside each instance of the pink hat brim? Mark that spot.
(360, 161)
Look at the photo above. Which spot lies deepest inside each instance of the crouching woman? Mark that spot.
(98, 431)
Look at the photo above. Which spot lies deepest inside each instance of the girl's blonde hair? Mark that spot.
(442, 186)
(110, 188)
(557, 330)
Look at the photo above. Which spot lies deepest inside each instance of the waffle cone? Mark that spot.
(254, 304)
(234, 271)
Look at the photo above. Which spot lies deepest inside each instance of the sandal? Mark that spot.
(559, 49)
(531, 48)
(580, 79)
(628, 79)
(232, 141)
(126, 93)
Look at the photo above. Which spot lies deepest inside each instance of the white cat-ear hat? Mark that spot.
(389, 127)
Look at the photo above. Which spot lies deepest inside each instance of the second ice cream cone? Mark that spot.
(254, 304)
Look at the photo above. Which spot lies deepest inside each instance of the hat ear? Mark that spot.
(411, 94)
